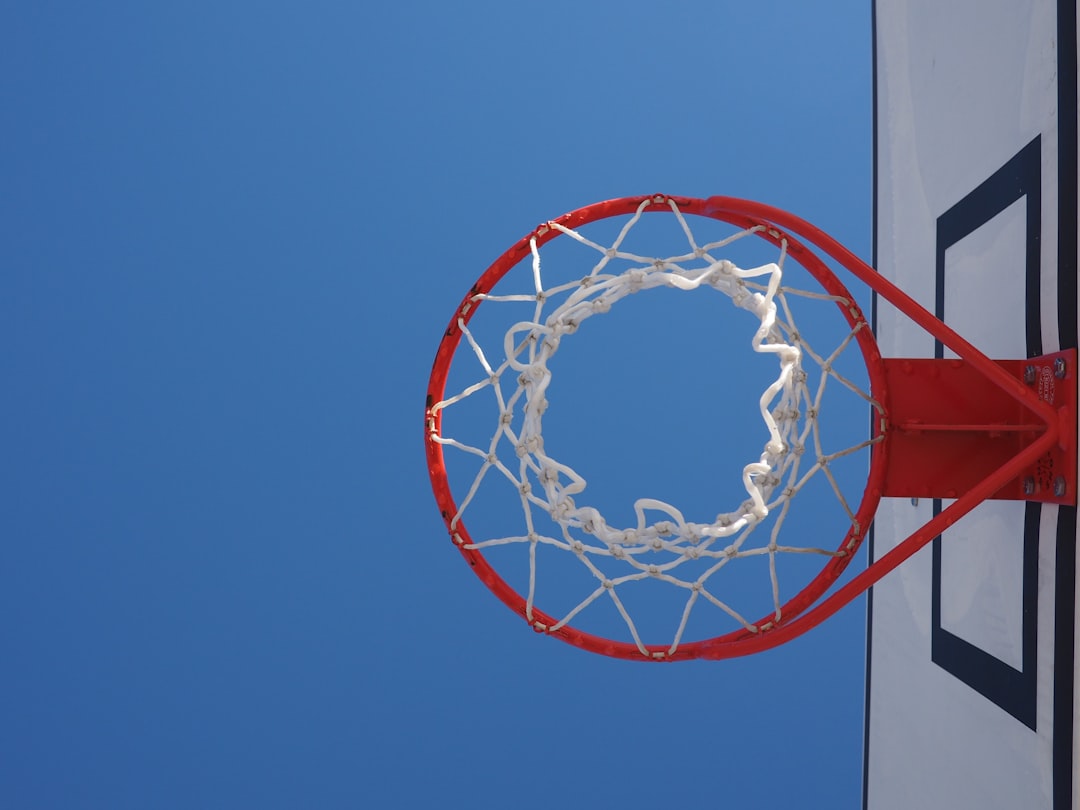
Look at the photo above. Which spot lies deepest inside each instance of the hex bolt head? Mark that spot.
(1059, 368)
(1029, 375)
(1060, 487)
(1029, 486)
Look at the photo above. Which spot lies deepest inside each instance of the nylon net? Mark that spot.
(560, 544)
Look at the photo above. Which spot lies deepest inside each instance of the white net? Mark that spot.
(662, 545)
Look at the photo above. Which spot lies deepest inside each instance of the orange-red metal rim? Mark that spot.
(740, 214)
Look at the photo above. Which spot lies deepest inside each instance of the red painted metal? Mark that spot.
(975, 420)
(950, 428)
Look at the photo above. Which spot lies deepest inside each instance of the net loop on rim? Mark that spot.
(661, 542)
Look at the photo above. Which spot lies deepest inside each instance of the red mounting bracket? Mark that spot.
(949, 427)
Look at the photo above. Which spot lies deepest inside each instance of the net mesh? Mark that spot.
(662, 545)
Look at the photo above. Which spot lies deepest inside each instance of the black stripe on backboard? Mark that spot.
(1064, 656)
(1019, 179)
(1065, 557)
(1067, 174)
(1013, 690)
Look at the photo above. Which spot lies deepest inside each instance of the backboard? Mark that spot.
(971, 676)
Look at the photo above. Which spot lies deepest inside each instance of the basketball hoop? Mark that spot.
(968, 428)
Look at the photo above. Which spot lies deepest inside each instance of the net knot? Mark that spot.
(563, 326)
(562, 508)
(758, 304)
(532, 445)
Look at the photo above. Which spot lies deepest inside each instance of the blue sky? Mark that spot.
(232, 236)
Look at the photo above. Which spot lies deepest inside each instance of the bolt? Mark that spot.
(1059, 368)
(1029, 486)
(1060, 486)
(1029, 375)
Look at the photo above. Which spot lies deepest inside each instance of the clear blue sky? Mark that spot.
(231, 236)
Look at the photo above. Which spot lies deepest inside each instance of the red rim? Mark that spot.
(743, 214)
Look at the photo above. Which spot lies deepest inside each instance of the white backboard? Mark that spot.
(970, 663)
